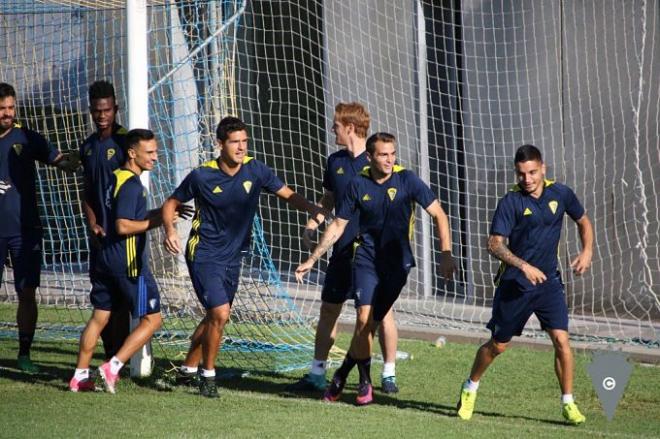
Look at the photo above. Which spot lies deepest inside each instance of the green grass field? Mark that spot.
(518, 397)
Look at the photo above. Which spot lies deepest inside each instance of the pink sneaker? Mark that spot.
(109, 379)
(365, 394)
(85, 385)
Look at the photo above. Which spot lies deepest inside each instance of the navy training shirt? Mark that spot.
(124, 255)
(533, 227)
(19, 149)
(341, 168)
(100, 158)
(387, 213)
(225, 207)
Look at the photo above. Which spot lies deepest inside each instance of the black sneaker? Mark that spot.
(388, 385)
(189, 379)
(334, 389)
(207, 387)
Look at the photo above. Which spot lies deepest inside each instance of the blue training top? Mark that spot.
(225, 207)
(100, 158)
(387, 214)
(533, 227)
(19, 149)
(340, 170)
(124, 255)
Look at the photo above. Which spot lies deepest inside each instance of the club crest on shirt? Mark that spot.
(217, 190)
(391, 192)
(18, 147)
(553, 206)
(110, 153)
(247, 185)
(366, 197)
(527, 211)
(340, 171)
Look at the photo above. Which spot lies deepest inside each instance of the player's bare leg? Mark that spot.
(90, 337)
(388, 338)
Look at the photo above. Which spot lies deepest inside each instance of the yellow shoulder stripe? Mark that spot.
(398, 168)
(548, 182)
(123, 131)
(365, 171)
(210, 164)
(247, 159)
(514, 188)
(122, 176)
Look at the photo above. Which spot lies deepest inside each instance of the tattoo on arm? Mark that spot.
(498, 249)
(329, 239)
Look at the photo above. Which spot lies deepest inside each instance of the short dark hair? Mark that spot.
(228, 125)
(379, 137)
(101, 90)
(527, 153)
(6, 91)
(134, 136)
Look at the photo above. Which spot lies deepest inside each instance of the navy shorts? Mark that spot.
(513, 306)
(338, 280)
(215, 284)
(112, 292)
(377, 286)
(25, 253)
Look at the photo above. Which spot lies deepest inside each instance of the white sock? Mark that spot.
(115, 365)
(318, 367)
(389, 370)
(567, 398)
(208, 373)
(81, 374)
(188, 369)
(470, 385)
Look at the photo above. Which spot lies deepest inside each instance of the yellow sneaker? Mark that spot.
(465, 405)
(572, 414)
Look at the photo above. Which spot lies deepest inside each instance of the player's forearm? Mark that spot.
(89, 213)
(327, 203)
(331, 235)
(444, 235)
(498, 249)
(132, 227)
(586, 231)
(169, 213)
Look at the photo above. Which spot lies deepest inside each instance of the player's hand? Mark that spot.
(172, 243)
(303, 269)
(308, 238)
(183, 211)
(533, 274)
(69, 162)
(4, 187)
(96, 233)
(447, 265)
(581, 263)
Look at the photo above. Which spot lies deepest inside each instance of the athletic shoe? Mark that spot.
(207, 387)
(84, 385)
(26, 365)
(365, 394)
(334, 389)
(465, 405)
(188, 379)
(109, 379)
(572, 414)
(309, 383)
(388, 385)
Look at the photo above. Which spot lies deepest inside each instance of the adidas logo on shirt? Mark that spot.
(217, 190)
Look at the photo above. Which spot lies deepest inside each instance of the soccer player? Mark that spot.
(530, 217)
(383, 194)
(101, 154)
(226, 192)
(123, 268)
(350, 125)
(20, 226)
